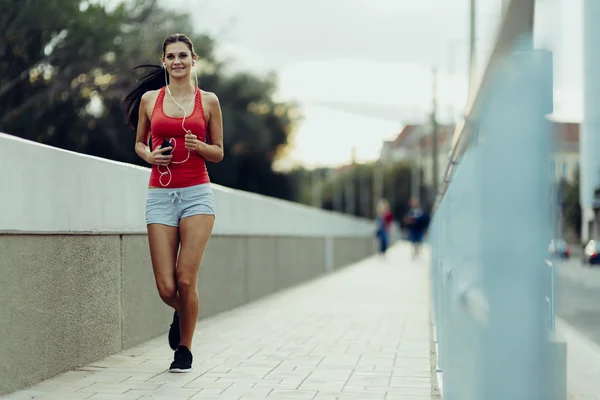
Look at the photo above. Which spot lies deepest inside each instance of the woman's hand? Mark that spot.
(158, 158)
(191, 141)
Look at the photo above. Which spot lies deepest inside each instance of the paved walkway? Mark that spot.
(583, 358)
(361, 333)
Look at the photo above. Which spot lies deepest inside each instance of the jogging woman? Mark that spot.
(180, 205)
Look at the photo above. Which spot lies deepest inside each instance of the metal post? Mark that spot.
(349, 192)
(516, 152)
(337, 194)
(552, 299)
(377, 183)
(351, 185)
(472, 50)
(316, 189)
(590, 127)
(505, 4)
(451, 48)
(414, 177)
(392, 193)
(494, 340)
(364, 196)
(434, 137)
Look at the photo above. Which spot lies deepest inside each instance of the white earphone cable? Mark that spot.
(172, 140)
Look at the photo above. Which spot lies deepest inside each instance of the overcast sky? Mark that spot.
(329, 53)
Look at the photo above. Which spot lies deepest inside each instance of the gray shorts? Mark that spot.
(168, 206)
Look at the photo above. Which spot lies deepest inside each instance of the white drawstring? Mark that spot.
(176, 195)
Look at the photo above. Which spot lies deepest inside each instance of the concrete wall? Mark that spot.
(52, 190)
(76, 283)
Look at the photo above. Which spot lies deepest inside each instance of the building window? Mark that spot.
(564, 170)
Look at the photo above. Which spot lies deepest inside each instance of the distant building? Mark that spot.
(566, 155)
(413, 144)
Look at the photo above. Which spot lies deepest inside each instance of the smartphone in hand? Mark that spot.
(166, 143)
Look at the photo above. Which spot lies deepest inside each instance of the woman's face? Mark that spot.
(178, 59)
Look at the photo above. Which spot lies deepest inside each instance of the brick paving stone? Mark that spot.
(361, 333)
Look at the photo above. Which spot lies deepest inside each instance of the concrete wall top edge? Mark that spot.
(51, 190)
(228, 234)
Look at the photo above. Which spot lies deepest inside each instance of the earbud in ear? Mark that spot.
(164, 65)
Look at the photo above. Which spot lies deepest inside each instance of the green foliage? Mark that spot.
(396, 179)
(66, 65)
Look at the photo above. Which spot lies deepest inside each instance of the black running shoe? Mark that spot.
(183, 360)
(174, 332)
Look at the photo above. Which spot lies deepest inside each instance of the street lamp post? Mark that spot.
(472, 49)
(316, 186)
(505, 4)
(377, 182)
(434, 137)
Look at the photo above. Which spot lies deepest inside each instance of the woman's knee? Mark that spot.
(186, 284)
(167, 291)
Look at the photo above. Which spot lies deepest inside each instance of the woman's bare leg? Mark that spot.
(164, 243)
(195, 232)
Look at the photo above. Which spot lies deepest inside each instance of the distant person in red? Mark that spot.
(384, 223)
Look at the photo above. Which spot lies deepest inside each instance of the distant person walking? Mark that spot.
(416, 223)
(180, 206)
(384, 222)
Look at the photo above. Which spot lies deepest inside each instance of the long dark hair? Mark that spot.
(153, 80)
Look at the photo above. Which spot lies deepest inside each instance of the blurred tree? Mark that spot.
(397, 185)
(396, 188)
(257, 130)
(52, 58)
(66, 65)
(300, 180)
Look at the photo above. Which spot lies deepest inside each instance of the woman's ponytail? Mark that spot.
(153, 80)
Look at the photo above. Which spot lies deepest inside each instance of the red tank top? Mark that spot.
(187, 168)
